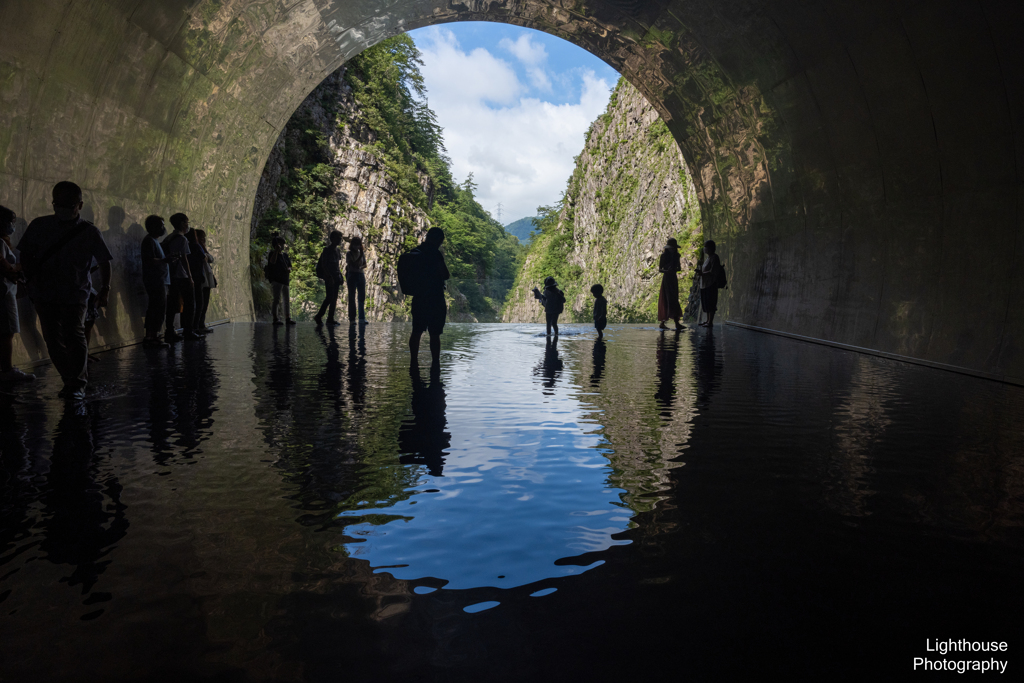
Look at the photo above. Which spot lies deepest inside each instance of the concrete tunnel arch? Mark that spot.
(858, 161)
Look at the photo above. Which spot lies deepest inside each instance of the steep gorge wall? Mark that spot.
(630, 192)
(329, 127)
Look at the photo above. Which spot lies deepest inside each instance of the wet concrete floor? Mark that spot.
(295, 505)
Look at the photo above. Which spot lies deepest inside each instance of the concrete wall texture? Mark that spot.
(858, 161)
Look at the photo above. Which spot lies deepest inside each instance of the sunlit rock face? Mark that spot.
(857, 162)
(629, 192)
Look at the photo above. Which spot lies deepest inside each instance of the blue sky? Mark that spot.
(515, 105)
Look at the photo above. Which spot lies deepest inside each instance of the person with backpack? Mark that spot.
(328, 269)
(712, 277)
(553, 301)
(278, 271)
(182, 293)
(421, 274)
(668, 296)
(58, 253)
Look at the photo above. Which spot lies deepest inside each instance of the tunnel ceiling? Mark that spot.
(857, 161)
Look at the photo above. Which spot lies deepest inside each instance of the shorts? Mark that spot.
(709, 299)
(600, 324)
(429, 315)
(9, 314)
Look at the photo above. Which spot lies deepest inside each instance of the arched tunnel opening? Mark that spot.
(837, 152)
(305, 504)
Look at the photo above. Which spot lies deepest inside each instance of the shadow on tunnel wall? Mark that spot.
(857, 162)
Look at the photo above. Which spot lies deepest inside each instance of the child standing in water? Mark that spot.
(553, 301)
(600, 310)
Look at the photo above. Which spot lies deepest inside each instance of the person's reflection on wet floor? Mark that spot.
(668, 356)
(279, 372)
(423, 440)
(707, 365)
(599, 354)
(550, 368)
(357, 365)
(83, 516)
(331, 381)
(194, 389)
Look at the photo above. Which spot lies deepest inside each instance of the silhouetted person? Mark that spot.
(58, 253)
(355, 265)
(10, 276)
(600, 309)
(668, 357)
(156, 278)
(278, 272)
(328, 269)
(668, 296)
(553, 301)
(209, 281)
(197, 266)
(599, 354)
(181, 294)
(552, 365)
(429, 309)
(423, 440)
(709, 281)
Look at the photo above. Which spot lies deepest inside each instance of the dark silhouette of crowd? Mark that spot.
(63, 264)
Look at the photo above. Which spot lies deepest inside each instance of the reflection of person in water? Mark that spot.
(668, 355)
(599, 352)
(707, 366)
(83, 515)
(423, 440)
(551, 368)
(357, 366)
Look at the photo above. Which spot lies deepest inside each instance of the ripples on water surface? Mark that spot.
(279, 504)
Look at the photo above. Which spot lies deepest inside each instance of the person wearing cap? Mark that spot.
(668, 295)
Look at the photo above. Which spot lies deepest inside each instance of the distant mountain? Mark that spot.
(521, 229)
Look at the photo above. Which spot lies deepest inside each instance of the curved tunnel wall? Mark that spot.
(857, 161)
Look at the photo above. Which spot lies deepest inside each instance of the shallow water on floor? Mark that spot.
(295, 504)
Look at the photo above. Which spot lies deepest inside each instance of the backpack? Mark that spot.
(555, 301)
(722, 280)
(411, 272)
(322, 270)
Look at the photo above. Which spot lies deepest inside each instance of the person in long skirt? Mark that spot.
(668, 296)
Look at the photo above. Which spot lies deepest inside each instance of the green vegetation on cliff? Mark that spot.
(378, 106)
(629, 192)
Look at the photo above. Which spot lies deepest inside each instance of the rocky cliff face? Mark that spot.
(329, 127)
(629, 193)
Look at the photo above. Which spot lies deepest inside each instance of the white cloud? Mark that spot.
(533, 57)
(519, 148)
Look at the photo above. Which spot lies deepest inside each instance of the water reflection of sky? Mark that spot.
(525, 479)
